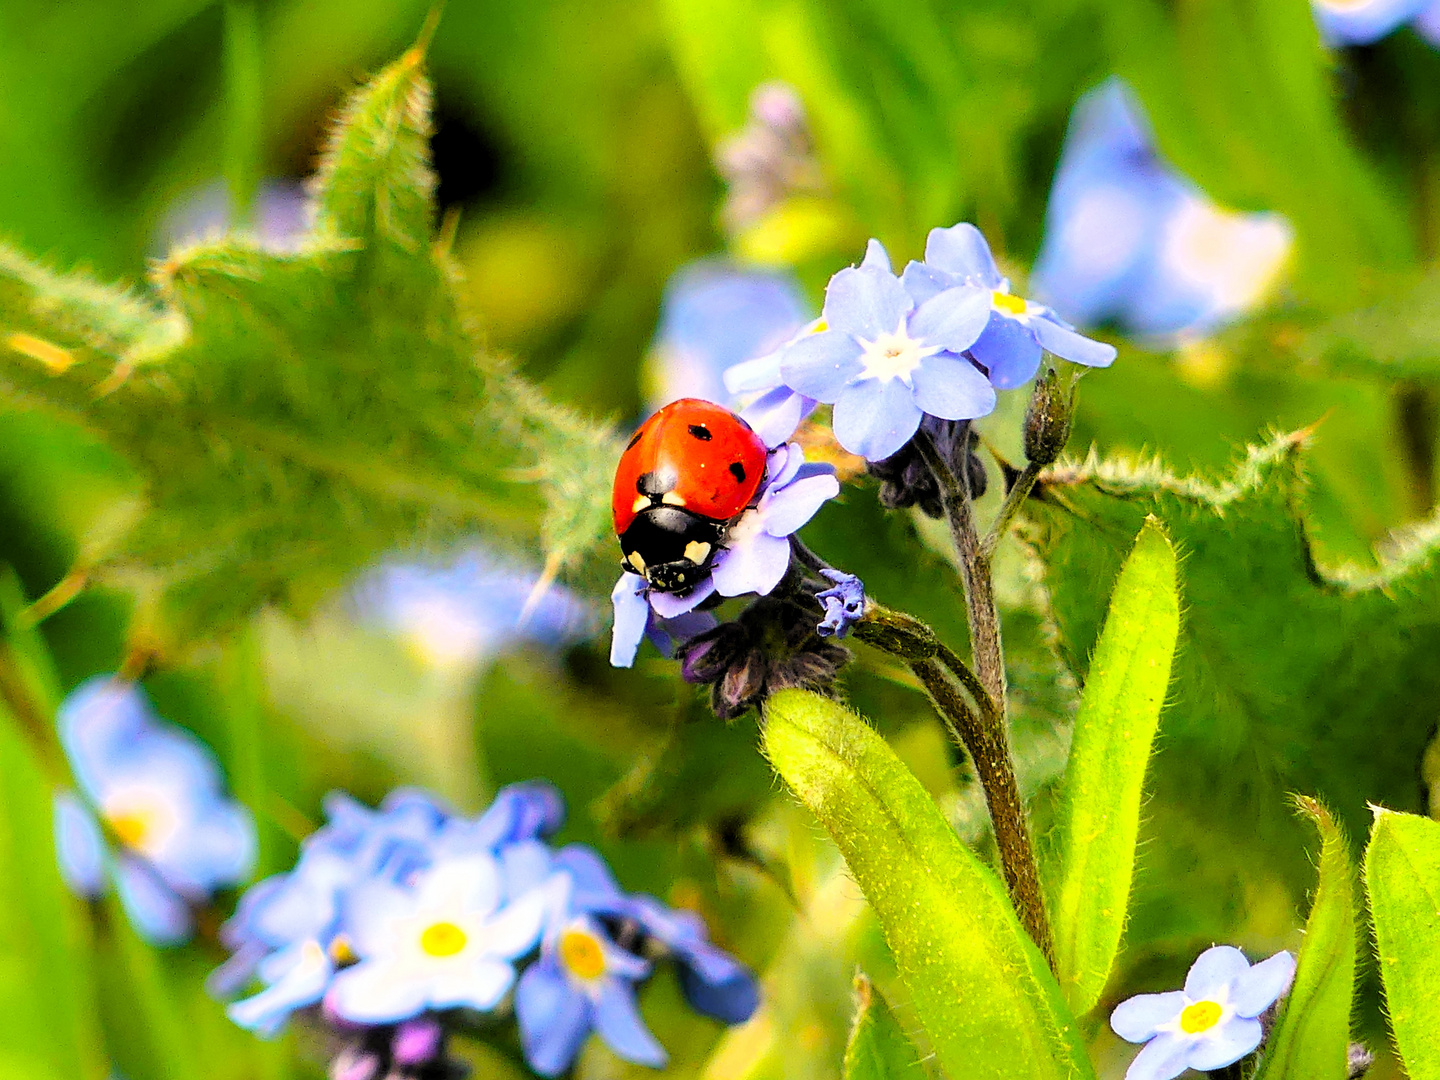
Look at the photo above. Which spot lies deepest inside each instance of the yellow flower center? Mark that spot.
(342, 953)
(132, 827)
(582, 954)
(442, 939)
(1015, 305)
(1201, 1016)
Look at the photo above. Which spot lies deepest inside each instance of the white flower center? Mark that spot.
(893, 356)
(1235, 258)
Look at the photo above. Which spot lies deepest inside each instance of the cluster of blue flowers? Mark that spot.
(151, 815)
(397, 922)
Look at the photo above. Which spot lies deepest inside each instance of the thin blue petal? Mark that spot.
(1254, 991)
(1068, 345)
(874, 419)
(632, 612)
(731, 999)
(952, 388)
(876, 257)
(1226, 1043)
(923, 282)
(754, 565)
(1163, 1058)
(79, 846)
(786, 510)
(1137, 1019)
(1213, 971)
(595, 886)
(962, 250)
(554, 1018)
(865, 303)
(953, 319)
(158, 914)
(776, 414)
(618, 1022)
(821, 365)
(756, 376)
(1009, 351)
(673, 605)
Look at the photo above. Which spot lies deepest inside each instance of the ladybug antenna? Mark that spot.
(542, 585)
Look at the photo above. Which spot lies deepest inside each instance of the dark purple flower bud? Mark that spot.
(905, 479)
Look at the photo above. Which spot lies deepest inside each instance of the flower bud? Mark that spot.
(1047, 419)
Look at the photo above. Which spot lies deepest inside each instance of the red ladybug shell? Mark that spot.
(691, 454)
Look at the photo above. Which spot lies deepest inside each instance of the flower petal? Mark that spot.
(953, 319)
(719, 986)
(962, 250)
(876, 257)
(1068, 345)
(1137, 1019)
(952, 388)
(480, 986)
(1226, 1043)
(632, 612)
(875, 419)
(670, 606)
(1009, 351)
(821, 365)
(755, 564)
(516, 930)
(79, 847)
(786, 510)
(617, 1020)
(554, 1018)
(1213, 971)
(160, 916)
(923, 282)
(754, 376)
(377, 992)
(1163, 1058)
(1254, 991)
(865, 303)
(303, 983)
(775, 415)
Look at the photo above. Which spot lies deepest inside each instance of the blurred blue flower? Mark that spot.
(283, 216)
(713, 981)
(714, 316)
(1362, 22)
(844, 604)
(754, 556)
(1210, 1024)
(1128, 240)
(584, 981)
(1017, 331)
(887, 357)
(456, 617)
(158, 791)
(446, 940)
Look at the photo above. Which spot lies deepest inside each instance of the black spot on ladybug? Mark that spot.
(634, 439)
(657, 482)
(701, 432)
(738, 471)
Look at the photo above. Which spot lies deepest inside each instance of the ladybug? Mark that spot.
(690, 470)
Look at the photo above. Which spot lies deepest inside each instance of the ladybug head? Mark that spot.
(670, 547)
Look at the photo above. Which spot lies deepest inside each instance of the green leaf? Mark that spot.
(988, 1002)
(878, 1049)
(1284, 673)
(294, 415)
(1311, 1039)
(1100, 810)
(1402, 878)
(1398, 336)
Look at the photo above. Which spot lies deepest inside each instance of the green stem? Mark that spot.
(1014, 499)
(244, 102)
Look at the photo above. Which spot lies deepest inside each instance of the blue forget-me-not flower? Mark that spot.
(178, 837)
(1363, 22)
(1212, 1023)
(1129, 240)
(753, 556)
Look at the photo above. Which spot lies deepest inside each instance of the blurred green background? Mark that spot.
(574, 145)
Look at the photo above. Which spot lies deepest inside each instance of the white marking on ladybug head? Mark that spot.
(640, 503)
(637, 562)
(697, 551)
(671, 499)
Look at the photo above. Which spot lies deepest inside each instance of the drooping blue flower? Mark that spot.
(1363, 22)
(584, 981)
(455, 617)
(888, 357)
(283, 215)
(1129, 240)
(713, 981)
(448, 939)
(844, 604)
(1208, 1025)
(714, 316)
(159, 792)
(1017, 331)
(753, 558)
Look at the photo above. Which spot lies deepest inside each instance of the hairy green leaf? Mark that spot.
(294, 415)
(1402, 878)
(1311, 1039)
(987, 1000)
(1284, 674)
(878, 1049)
(1100, 810)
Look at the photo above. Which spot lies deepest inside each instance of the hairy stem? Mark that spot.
(990, 752)
(1014, 499)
